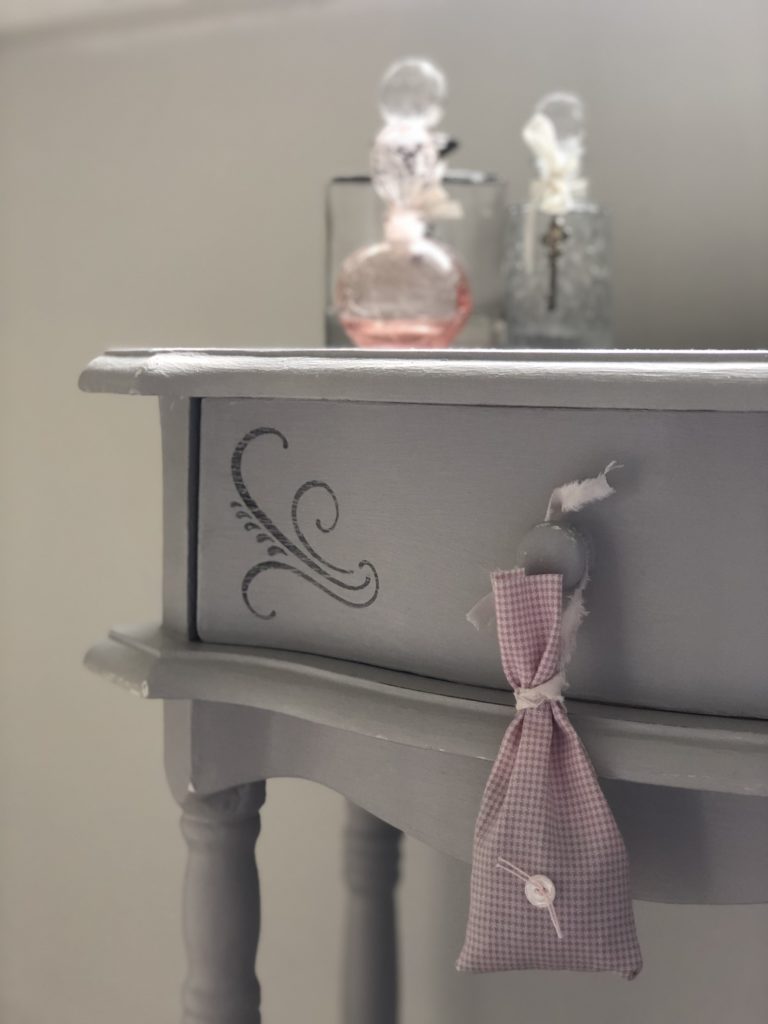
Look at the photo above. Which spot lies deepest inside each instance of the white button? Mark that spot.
(540, 891)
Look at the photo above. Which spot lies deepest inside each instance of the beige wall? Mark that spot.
(161, 185)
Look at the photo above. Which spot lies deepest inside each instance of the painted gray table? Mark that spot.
(329, 517)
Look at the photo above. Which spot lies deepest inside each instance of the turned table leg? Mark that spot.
(370, 966)
(221, 906)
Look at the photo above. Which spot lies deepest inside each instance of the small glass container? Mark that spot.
(414, 252)
(580, 316)
(558, 251)
(354, 215)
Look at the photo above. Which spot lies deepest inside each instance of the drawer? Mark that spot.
(365, 530)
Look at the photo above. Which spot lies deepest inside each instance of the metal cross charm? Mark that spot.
(553, 239)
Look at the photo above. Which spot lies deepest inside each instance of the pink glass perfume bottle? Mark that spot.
(406, 291)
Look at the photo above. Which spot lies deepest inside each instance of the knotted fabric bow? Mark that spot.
(550, 878)
(560, 187)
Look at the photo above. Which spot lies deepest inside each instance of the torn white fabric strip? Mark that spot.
(574, 496)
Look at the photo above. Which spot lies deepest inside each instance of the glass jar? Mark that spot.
(558, 278)
(354, 216)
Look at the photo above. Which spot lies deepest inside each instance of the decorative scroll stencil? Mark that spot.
(356, 588)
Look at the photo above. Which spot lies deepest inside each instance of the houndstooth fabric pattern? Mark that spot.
(544, 812)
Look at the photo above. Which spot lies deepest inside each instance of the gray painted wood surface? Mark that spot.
(658, 748)
(180, 439)
(221, 906)
(371, 861)
(613, 379)
(414, 751)
(418, 759)
(685, 846)
(430, 499)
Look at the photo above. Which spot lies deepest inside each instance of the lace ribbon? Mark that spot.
(559, 187)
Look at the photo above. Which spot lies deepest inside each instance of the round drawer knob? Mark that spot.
(554, 548)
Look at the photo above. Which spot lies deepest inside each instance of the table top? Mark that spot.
(722, 381)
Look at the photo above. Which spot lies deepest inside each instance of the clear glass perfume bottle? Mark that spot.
(407, 290)
(558, 263)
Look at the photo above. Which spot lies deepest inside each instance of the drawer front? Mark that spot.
(366, 531)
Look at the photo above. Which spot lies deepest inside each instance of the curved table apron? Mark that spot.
(687, 790)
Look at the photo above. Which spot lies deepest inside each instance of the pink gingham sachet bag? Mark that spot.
(550, 877)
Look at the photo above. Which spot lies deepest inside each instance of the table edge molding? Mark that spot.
(685, 380)
(661, 748)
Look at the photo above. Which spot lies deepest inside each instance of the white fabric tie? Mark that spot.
(574, 496)
(534, 696)
(560, 187)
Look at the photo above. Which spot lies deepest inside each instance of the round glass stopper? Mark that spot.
(412, 90)
(566, 112)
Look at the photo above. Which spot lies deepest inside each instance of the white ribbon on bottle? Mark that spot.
(435, 203)
(559, 187)
(407, 174)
